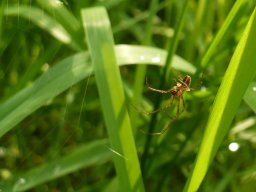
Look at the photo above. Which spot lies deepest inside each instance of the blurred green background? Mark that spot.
(61, 142)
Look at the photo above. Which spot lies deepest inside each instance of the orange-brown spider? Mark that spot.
(177, 90)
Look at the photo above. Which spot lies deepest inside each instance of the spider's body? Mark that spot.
(177, 90)
(181, 86)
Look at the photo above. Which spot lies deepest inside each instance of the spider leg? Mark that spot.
(183, 103)
(162, 131)
(161, 109)
(152, 112)
(178, 107)
(157, 110)
(180, 79)
(171, 99)
(157, 90)
(182, 82)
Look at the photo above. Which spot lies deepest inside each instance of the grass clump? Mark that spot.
(67, 91)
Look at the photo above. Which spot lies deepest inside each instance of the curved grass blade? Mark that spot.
(41, 19)
(83, 156)
(131, 54)
(50, 84)
(222, 32)
(240, 73)
(62, 15)
(101, 47)
(69, 72)
(65, 18)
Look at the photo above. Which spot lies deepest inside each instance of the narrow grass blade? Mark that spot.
(165, 77)
(174, 41)
(52, 83)
(67, 73)
(65, 18)
(222, 32)
(131, 54)
(240, 73)
(141, 70)
(201, 14)
(86, 155)
(101, 47)
(42, 20)
(1, 25)
(61, 14)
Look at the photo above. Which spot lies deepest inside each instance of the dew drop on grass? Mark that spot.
(203, 88)
(56, 3)
(142, 57)
(21, 181)
(18, 183)
(233, 146)
(156, 59)
(56, 170)
(254, 88)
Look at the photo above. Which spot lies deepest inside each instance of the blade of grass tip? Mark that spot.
(108, 79)
(239, 74)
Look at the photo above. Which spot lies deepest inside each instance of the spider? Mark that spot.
(182, 85)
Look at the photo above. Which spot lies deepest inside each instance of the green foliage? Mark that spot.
(108, 78)
(92, 153)
(71, 97)
(240, 73)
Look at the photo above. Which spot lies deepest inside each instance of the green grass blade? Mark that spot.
(101, 46)
(1, 25)
(65, 18)
(70, 71)
(142, 69)
(61, 14)
(41, 19)
(222, 32)
(174, 41)
(250, 95)
(164, 78)
(239, 74)
(83, 156)
(130, 54)
(52, 83)
(201, 11)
